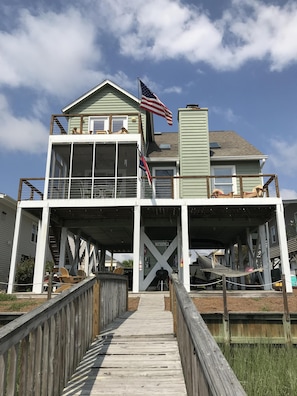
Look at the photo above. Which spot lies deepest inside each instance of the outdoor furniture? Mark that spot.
(65, 277)
(256, 193)
(217, 193)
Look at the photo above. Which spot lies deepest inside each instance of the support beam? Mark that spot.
(63, 244)
(265, 258)
(13, 261)
(283, 245)
(42, 242)
(137, 260)
(185, 247)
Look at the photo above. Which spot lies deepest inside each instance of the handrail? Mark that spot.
(206, 371)
(49, 342)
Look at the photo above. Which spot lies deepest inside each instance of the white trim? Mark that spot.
(238, 158)
(93, 90)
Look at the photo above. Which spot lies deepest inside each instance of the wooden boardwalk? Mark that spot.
(136, 356)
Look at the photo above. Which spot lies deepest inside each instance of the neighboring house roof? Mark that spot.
(230, 145)
(97, 88)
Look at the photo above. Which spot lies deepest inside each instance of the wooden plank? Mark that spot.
(135, 355)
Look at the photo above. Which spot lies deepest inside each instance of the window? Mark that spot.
(226, 184)
(98, 124)
(34, 232)
(164, 187)
(273, 234)
(102, 123)
(118, 123)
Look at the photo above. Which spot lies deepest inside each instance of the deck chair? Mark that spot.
(81, 273)
(217, 193)
(65, 277)
(256, 193)
(119, 271)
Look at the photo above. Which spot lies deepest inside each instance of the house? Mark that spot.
(208, 191)
(26, 241)
(290, 213)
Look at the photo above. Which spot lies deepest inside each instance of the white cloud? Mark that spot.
(283, 156)
(47, 52)
(21, 134)
(288, 194)
(227, 113)
(248, 30)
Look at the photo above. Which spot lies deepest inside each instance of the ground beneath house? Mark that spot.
(204, 302)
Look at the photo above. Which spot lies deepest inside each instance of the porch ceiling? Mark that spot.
(209, 226)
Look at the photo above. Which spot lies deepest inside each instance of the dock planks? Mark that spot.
(136, 355)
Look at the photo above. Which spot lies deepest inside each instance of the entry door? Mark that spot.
(164, 187)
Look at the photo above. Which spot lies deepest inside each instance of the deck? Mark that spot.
(136, 355)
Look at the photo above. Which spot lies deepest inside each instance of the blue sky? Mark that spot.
(238, 58)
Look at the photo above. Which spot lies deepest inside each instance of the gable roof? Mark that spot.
(230, 145)
(97, 88)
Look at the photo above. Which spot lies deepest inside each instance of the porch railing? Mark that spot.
(78, 124)
(162, 187)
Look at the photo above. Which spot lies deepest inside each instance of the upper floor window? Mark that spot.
(112, 125)
(226, 184)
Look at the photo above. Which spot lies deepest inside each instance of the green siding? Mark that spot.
(249, 167)
(194, 151)
(107, 101)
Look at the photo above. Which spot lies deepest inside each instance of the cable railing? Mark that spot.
(162, 187)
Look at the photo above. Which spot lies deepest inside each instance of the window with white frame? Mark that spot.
(103, 123)
(164, 182)
(118, 123)
(34, 232)
(224, 179)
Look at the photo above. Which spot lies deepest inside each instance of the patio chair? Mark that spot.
(217, 193)
(256, 193)
(65, 277)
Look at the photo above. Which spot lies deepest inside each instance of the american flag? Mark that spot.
(144, 166)
(152, 103)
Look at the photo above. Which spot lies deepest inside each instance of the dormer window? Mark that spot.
(112, 124)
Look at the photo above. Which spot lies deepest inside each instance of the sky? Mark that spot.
(238, 58)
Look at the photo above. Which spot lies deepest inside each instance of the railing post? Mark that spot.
(226, 314)
(96, 309)
(286, 316)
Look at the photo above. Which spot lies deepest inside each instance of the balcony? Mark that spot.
(162, 187)
(96, 123)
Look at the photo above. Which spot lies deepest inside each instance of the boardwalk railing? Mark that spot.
(40, 350)
(206, 371)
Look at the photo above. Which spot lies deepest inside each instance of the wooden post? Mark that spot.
(173, 306)
(226, 314)
(50, 286)
(286, 316)
(96, 309)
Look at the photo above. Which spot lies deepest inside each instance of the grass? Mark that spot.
(7, 297)
(264, 370)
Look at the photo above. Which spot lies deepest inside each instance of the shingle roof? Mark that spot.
(231, 145)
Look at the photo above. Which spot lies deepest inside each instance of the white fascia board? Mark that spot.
(239, 158)
(105, 82)
(7, 200)
(167, 159)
